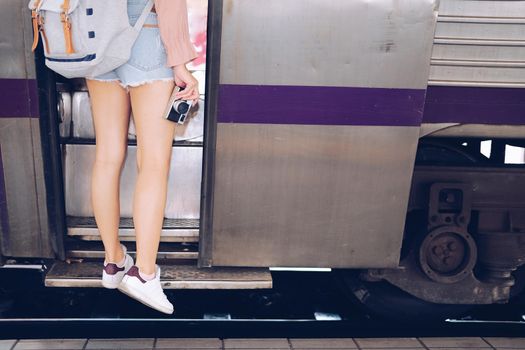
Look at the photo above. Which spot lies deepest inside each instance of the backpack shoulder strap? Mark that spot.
(140, 21)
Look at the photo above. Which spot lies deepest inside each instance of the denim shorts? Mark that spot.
(148, 58)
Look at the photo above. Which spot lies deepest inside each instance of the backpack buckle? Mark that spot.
(66, 24)
(64, 18)
(43, 33)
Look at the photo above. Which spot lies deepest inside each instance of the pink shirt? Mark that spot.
(172, 17)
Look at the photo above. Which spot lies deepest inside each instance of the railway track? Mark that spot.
(300, 304)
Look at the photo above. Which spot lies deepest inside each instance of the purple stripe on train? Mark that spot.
(319, 105)
(18, 98)
(4, 218)
(482, 105)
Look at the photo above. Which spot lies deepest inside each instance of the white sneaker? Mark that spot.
(112, 274)
(148, 292)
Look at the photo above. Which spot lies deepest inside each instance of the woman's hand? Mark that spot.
(184, 78)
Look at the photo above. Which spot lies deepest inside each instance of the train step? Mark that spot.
(95, 249)
(173, 276)
(173, 230)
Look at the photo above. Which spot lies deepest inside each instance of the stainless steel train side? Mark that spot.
(334, 133)
(25, 227)
(317, 125)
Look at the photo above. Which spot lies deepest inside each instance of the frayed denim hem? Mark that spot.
(149, 81)
(127, 86)
(104, 80)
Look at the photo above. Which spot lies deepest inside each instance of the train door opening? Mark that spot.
(179, 244)
(181, 223)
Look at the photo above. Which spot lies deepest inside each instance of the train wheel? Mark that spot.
(386, 301)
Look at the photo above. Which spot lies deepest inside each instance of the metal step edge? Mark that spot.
(88, 275)
(128, 234)
(72, 140)
(127, 222)
(181, 284)
(99, 254)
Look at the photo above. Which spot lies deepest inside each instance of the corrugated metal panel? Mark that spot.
(479, 43)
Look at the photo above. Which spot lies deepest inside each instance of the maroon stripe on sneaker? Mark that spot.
(112, 268)
(134, 271)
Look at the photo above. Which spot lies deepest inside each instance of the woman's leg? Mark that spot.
(111, 109)
(154, 142)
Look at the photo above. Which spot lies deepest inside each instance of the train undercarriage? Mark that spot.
(464, 241)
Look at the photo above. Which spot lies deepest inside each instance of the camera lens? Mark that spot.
(181, 107)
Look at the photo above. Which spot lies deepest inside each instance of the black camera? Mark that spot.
(177, 110)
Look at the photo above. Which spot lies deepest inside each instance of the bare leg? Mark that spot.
(110, 108)
(154, 141)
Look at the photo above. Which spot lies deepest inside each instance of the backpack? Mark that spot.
(85, 38)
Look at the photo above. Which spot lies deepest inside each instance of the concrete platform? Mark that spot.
(466, 343)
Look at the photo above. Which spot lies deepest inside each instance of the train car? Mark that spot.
(382, 140)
